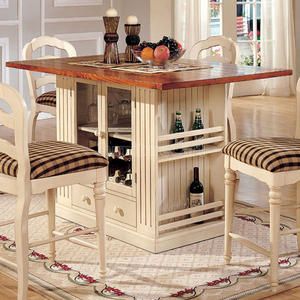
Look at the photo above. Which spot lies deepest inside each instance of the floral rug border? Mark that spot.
(110, 292)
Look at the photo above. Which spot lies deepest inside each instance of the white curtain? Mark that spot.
(191, 21)
(278, 46)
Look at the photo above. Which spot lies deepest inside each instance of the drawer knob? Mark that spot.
(87, 200)
(118, 210)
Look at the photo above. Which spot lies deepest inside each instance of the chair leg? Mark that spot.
(22, 244)
(99, 195)
(51, 197)
(298, 214)
(230, 180)
(274, 202)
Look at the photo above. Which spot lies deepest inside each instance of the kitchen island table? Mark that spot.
(127, 113)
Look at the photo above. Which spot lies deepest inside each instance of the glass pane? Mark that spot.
(244, 21)
(215, 17)
(119, 136)
(246, 25)
(250, 53)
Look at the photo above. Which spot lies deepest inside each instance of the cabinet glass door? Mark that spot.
(87, 115)
(119, 123)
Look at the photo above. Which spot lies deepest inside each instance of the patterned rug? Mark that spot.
(193, 272)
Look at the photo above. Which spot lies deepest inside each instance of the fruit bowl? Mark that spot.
(160, 54)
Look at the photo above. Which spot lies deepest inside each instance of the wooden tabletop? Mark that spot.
(217, 74)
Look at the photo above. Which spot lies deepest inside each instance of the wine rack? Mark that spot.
(148, 182)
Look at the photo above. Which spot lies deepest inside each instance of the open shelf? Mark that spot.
(91, 128)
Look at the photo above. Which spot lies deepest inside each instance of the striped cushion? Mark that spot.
(48, 98)
(272, 154)
(54, 158)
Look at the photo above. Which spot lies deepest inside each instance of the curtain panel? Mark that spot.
(278, 44)
(191, 21)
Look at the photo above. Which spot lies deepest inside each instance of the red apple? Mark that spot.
(162, 53)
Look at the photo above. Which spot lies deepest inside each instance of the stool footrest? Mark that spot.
(250, 244)
(290, 231)
(31, 216)
(63, 237)
(77, 240)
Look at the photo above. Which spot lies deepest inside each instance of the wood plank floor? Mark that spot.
(256, 116)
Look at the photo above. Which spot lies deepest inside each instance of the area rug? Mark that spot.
(196, 271)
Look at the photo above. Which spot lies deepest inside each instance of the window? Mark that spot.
(239, 20)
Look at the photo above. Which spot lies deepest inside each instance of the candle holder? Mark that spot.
(111, 37)
(132, 40)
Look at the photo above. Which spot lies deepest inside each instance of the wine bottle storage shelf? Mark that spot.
(121, 136)
(172, 218)
(170, 156)
(166, 151)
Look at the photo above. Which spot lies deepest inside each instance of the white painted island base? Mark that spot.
(153, 213)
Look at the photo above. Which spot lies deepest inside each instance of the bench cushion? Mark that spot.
(48, 98)
(272, 154)
(52, 158)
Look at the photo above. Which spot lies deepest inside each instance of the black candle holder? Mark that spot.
(132, 40)
(111, 37)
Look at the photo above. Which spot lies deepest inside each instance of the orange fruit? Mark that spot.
(147, 53)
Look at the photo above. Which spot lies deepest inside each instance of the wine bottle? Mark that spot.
(196, 192)
(128, 179)
(178, 128)
(196, 126)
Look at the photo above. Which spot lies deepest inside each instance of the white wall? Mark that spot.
(297, 20)
(82, 25)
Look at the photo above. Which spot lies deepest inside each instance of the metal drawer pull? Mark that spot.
(118, 210)
(87, 200)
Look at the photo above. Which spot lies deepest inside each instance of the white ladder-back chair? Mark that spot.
(45, 102)
(32, 168)
(230, 55)
(276, 162)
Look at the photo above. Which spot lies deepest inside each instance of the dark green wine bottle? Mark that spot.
(196, 126)
(178, 128)
(196, 192)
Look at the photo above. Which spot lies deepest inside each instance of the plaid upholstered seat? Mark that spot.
(272, 154)
(48, 98)
(54, 158)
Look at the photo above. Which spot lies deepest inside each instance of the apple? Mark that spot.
(162, 53)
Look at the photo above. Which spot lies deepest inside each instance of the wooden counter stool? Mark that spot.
(32, 168)
(45, 102)
(229, 55)
(274, 161)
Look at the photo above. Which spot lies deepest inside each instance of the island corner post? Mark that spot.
(152, 213)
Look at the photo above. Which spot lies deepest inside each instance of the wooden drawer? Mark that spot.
(121, 209)
(116, 207)
(83, 197)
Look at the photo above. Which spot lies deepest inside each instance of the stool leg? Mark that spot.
(230, 180)
(51, 197)
(99, 195)
(274, 201)
(22, 244)
(298, 214)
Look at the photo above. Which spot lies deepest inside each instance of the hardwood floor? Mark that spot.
(8, 290)
(255, 116)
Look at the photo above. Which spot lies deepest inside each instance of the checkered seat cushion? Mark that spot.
(54, 158)
(48, 98)
(272, 154)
